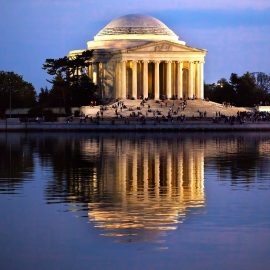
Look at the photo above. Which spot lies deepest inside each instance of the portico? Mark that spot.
(160, 79)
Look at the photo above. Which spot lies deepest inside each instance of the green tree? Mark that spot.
(70, 68)
(221, 92)
(80, 94)
(70, 85)
(243, 90)
(14, 90)
(60, 93)
(247, 91)
(44, 97)
(262, 80)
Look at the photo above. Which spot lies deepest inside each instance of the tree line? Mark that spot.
(247, 90)
(70, 86)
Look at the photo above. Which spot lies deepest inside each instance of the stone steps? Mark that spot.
(192, 108)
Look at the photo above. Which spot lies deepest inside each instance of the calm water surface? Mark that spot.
(135, 201)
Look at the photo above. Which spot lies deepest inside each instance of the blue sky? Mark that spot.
(235, 33)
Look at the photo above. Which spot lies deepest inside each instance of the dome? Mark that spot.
(136, 26)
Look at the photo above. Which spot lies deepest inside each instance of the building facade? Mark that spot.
(137, 56)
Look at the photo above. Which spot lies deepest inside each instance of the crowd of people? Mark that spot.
(163, 111)
(242, 117)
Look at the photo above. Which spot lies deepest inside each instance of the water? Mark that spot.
(135, 201)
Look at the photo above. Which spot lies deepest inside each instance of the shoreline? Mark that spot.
(135, 126)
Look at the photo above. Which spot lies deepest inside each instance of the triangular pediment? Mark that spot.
(164, 46)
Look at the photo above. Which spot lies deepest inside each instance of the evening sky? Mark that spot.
(235, 33)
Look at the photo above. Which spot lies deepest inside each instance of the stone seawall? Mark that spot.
(103, 126)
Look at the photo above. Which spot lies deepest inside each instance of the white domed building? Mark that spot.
(137, 56)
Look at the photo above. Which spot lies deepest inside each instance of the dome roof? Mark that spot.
(136, 26)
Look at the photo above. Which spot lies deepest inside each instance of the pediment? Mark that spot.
(163, 46)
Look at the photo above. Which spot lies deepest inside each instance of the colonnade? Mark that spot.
(193, 88)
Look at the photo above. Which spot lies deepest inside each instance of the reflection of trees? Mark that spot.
(72, 169)
(240, 158)
(16, 161)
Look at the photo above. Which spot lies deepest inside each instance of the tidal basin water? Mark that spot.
(135, 201)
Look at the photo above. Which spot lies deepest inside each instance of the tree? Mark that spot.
(243, 90)
(262, 80)
(70, 85)
(221, 92)
(44, 97)
(80, 94)
(15, 91)
(70, 68)
(247, 92)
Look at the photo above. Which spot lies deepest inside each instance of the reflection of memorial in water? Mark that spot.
(150, 186)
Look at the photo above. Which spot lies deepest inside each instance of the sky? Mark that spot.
(236, 34)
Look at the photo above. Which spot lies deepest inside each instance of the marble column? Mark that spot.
(101, 78)
(145, 79)
(201, 80)
(90, 71)
(95, 73)
(180, 80)
(118, 80)
(124, 79)
(99, 73)
(157, 92)
(134, 79)
(169, 80)
(191, 80)
(198, 80)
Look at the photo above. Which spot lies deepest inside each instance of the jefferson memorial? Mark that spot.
(137, 56)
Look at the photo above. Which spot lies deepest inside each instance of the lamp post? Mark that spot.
(9, 88)
(9, 101)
